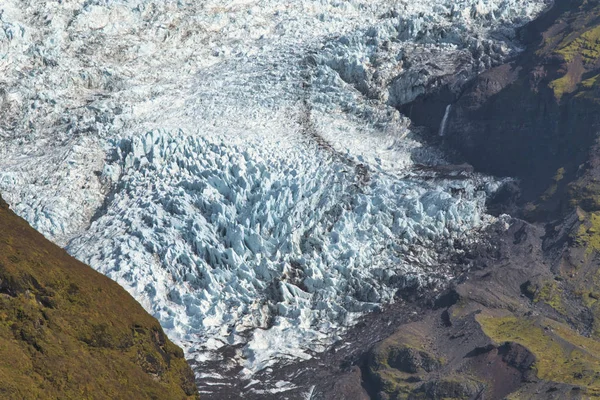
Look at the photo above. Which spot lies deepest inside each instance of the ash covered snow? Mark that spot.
(240, 167)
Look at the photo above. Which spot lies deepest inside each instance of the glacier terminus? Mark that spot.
(241, 167)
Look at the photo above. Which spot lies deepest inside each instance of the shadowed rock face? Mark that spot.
(535, 118)
(66, 331)
(515, 121)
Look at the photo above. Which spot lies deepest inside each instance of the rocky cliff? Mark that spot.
(535, 118)
(68, 332)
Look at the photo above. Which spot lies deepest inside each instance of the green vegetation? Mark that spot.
(586, 239)
(585, 195)
(588, 234)
(563, 85)
(591, 82)
(589, 89)
(69, 332)
(403, 366)
(561, 354)
(396, 361)
(551, 294)
(560, 175)
(551, 191)
(591, 301)
(579, 47)
(586, 45)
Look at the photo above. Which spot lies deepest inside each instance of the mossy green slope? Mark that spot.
(402, 366)
(68, 332)
(574, 39)
(562, 355)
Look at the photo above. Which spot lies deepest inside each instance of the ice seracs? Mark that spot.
(241, 167)
(224, 238)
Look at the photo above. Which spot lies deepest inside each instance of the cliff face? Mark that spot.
(534, 118)
(69, 332)
(537, 118)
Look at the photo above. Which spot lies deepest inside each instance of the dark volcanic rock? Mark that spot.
(491, 340)
(535, 118)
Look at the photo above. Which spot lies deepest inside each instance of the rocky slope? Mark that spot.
(68, 332)
(534, 118)
(523, 320)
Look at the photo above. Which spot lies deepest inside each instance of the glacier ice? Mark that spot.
(259, 234)
(241, 167)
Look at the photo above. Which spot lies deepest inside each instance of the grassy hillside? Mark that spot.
(69, 332)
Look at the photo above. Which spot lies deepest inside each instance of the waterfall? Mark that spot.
(445, 120)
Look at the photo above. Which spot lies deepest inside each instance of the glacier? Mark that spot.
(241, 168)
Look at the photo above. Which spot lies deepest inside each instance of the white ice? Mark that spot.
(240, 167)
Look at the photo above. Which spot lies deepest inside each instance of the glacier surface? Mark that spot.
(240, 167)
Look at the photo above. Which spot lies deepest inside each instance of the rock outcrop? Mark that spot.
(536, 117)
(516, 326)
